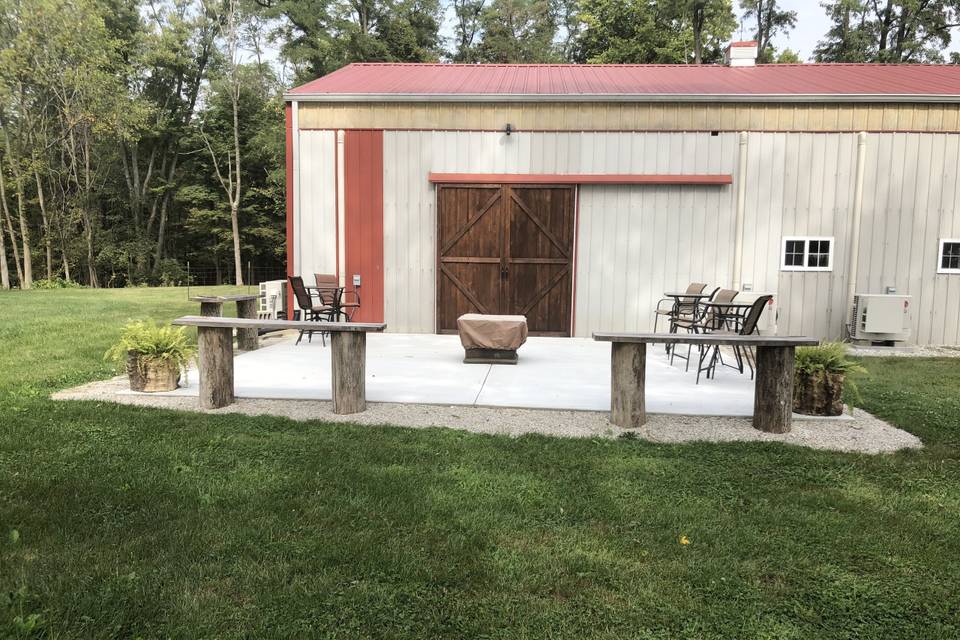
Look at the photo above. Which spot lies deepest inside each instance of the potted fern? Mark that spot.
(153, 355)
(820, 374)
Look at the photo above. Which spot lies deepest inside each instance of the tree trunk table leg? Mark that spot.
(348, 355)
(247, 339)
(627, 380)
(773, 391)
(215, 347)
(211, 309)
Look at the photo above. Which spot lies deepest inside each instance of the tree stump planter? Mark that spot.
(152, 376)
(818, 394)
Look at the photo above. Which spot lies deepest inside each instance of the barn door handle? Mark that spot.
(504, 272)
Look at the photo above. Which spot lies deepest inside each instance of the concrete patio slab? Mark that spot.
(553, 373)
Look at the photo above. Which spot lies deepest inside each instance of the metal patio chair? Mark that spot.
(711, 355)
(309, 309)
(702, 320)
(684, 308)
(345, 307)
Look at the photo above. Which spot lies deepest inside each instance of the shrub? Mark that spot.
(153, 344)
(829, 357)
(171, 273)
(56, 283)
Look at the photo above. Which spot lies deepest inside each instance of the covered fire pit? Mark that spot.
(491, 339)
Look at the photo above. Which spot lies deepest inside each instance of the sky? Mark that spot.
(812, 24)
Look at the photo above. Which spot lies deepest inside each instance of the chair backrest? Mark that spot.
(725, 295)
(712, 317)
(326, 279)
(753, 315)
(300, 293)
(696, 287)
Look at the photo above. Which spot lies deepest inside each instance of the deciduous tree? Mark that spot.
(891, 31)
(769, 19)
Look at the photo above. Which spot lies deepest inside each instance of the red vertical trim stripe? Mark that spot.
(288, 125)
(363, 219)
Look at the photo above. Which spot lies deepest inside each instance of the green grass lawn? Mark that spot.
(118, 521)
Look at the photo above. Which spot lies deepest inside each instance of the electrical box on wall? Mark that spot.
(356, 280)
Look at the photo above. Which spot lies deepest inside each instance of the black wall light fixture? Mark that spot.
(509, 129)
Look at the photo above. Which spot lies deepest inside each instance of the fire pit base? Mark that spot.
(490, 356)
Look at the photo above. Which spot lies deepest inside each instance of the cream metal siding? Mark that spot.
(800, 185)
(566, 116)
(611, 233)
(634, 242)
(314, 229)
(912, 201)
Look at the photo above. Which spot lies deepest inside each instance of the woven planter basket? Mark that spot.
(151, 377)
(818, 394)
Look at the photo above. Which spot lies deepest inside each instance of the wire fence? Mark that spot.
(209, 276)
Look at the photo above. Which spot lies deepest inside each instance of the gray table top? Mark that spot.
(711, 303)
(706, 339)
(251, 323)
(231, 298)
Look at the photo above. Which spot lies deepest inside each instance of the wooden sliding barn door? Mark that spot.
(506, 249)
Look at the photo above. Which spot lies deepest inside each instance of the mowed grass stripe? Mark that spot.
(152, 523)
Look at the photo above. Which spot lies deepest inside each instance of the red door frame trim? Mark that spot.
(579, 178)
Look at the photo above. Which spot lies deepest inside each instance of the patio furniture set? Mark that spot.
(709, 320)
(715, 312)
(326, 301)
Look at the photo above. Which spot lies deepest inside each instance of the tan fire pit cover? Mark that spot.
(479, 331)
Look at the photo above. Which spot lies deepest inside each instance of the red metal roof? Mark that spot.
(826, 82)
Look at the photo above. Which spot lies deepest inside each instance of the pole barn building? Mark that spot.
(578, 194)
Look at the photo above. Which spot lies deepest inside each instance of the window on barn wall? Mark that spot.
(949, 256)
(802, 253)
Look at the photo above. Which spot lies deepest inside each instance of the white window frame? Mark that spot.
(943, 245)
(806, 253)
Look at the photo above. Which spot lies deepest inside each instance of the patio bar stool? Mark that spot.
(345, 308)
(711, 355)
(677, 308)
(705, 320)
(308, 309)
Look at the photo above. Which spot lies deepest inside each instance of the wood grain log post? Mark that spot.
(215, 347)
(348, 356)
(211, 308)
(773, 394)
(627, 381)
(247, 339)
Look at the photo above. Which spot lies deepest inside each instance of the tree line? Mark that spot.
(142, 135)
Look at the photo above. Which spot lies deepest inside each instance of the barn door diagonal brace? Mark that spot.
(554, 281)
(540, 225)
(480, 212)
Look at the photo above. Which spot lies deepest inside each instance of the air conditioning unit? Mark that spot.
(880, 318)
(273, 298)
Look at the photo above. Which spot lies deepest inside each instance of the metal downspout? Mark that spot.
(855, 227)
(741, 206)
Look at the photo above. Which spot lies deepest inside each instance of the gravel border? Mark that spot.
(864, 434)
(916, 351)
